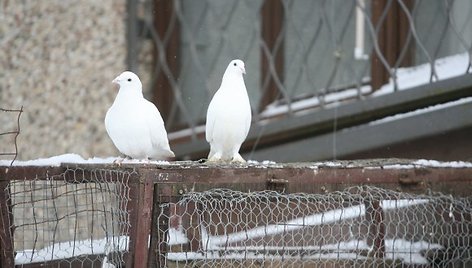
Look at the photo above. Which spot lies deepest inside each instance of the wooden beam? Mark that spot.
(140, 216)
(7, 255)
(297, 177)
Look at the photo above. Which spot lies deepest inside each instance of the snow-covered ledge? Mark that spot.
(393, 163)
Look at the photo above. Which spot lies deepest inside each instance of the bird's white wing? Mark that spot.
(157, 130)
(212, 112)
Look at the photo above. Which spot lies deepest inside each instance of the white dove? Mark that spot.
(134, 124)
(229, 116)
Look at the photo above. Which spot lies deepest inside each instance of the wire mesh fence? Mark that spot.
(299, 54)
(70, 218)
(362, 226)
(9, 133)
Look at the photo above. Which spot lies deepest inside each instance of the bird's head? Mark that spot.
(236, 66)
(128, 79)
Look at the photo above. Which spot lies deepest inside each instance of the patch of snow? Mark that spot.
(335, 97)
(187, 132)
(51, 161)
(327, 164)
(71, 249)
(401, 203)
(268, 162)
(177, 236)
(274, 229)
(56, 161)
(427, 163)
(326, 217)
(407, 251)
(409, 77)
(422, 111)
(263, 164)
(434, 163)
(394, 166)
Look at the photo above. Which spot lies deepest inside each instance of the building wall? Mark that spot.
(58, 58)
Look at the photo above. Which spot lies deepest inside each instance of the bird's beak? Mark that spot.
(115, 81)
(244, 70)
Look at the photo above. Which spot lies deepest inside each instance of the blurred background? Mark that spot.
(327, 79)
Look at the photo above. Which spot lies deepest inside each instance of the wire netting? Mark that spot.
(365, 225)
(9, 133)
(71, 218)
(298, 54)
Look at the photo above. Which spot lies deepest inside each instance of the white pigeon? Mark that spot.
(229, 116)
(134, 124)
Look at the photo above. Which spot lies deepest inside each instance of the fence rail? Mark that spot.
(385, 212)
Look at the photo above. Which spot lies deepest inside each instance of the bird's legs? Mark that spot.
(216, 157)
(120, 160)
(238, 158)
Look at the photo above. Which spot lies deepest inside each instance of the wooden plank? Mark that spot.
(73, 173)
(300, 177)
(7, 257)
(139, 209)
(376, 235)
(29, 172)
(159, 226)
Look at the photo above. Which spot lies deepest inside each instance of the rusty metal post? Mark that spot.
(7, 257)
(139, 209)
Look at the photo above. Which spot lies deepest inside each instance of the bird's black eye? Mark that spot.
(129, 79)
(234, 64)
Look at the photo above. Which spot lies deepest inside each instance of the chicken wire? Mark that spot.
(362, 225)
(67, 219)
(326, 47)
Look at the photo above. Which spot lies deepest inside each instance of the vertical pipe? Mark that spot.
(359, 53)
(132, 38)
(272, 13)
